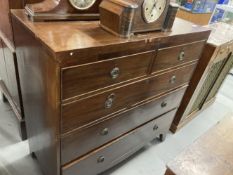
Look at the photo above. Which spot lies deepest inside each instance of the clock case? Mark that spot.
(52, 10)
(124, 17)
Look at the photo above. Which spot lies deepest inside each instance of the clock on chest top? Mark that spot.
(49, 10)
(126, 17)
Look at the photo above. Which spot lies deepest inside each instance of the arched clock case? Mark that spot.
(49, 10)
(126, 17)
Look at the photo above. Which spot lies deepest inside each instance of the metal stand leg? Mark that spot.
(4, 99)
(22, 130)
(33, 155)
(162, 137)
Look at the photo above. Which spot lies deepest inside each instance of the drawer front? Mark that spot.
(98, 107)
(118, 150)
(86, 78)
(83, 141)
(175, 56)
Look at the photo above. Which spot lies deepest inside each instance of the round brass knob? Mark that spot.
(164, 104)
(109, 101)
(104, 132)
(156, 127)
(173, 79)
(115, 73)
(181, 56)
(101, 159)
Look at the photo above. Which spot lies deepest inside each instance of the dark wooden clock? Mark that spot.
(49, 10)
(126, 17)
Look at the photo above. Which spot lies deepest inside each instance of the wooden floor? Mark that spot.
(15, 158)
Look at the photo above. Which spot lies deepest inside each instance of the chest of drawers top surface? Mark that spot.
(220, 40)
(219, 33)
(70, 40)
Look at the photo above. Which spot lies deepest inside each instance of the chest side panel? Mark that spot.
(40, 85)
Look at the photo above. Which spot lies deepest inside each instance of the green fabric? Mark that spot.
(221, 78)
(207, 85)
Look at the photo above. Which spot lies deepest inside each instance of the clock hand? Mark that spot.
(154, 6)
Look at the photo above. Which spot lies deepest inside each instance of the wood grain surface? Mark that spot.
(115, 126)
(110, 154)
(210, 154)
(90, 77)
(83, 112)
(167, 58)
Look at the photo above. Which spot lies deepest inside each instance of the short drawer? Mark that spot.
(175, 56)
(90, 77)
(96, 108)
(83, 141)
(119, 149)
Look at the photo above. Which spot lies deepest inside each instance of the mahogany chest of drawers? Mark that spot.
(92, 99)
(9, 78)
(215, 63)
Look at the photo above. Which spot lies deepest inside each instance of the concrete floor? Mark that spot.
(151, 160)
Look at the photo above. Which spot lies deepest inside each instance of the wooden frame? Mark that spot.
(217, 51)
(10, 85)
(124, 18)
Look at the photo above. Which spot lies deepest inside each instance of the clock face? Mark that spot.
(153, 9)
(82, 4)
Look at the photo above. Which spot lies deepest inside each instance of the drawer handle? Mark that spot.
(164, 104)
(101, 159)
(104, 132)
(109, 101)
(156, 127)
(181, 56)
(115, 73)
(173, 79)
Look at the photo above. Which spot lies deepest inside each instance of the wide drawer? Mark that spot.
(119, 149)
(90, 110)
(90, 77)
(175, 56)
(82, 141)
